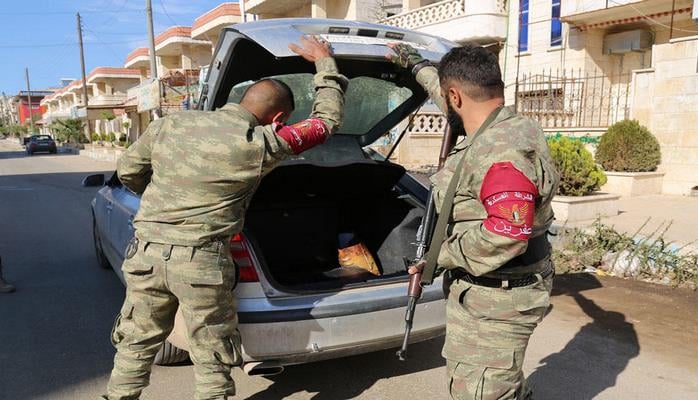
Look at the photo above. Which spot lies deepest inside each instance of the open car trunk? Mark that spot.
(299, 211)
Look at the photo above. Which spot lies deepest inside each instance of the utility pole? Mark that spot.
(84, 79)
(29, 101)
(151, 45)
(243, 11)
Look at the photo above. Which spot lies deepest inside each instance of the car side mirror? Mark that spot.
(93, 180)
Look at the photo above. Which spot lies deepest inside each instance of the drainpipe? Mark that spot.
(506, 45)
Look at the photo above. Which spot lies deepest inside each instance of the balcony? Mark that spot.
(175, 40)
(587, 14)
(139, 58)
(107, 100)
(109, 85)
(209, 26)
(457, 20)
(270, 8)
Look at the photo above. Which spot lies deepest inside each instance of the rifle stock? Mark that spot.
(424, 233)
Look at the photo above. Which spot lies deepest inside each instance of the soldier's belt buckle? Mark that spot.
(132, 247)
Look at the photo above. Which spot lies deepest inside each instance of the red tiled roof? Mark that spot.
(174, 31)
(141, 51)
(221, 10)
(113, 70)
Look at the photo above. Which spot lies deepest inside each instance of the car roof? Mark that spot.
(348, 38)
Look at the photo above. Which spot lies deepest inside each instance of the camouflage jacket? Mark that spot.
(509, 139)
(197, 170)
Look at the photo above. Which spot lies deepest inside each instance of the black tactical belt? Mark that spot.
(499, 283)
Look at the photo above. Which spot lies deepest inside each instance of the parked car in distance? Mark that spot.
(41, 143)
(295, 303)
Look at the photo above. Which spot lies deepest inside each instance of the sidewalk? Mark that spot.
(109, 154)
(678, 213)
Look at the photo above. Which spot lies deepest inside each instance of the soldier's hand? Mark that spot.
(404, 55)
(417, 268)
(312, 48)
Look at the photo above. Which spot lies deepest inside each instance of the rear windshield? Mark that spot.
(368, 100)
(42, 138)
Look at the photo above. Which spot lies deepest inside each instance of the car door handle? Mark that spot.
(110, 206)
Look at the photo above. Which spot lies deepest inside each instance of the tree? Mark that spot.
(70, 130)
(108, 115)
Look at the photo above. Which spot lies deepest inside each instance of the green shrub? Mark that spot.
(579, 175)
(112, 137)
(96, 137)
(628, 146)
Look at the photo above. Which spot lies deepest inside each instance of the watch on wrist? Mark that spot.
(418, 67)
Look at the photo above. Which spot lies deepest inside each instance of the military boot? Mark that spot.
(4, 286)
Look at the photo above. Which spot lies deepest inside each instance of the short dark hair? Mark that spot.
(281, 92)
(476, 69)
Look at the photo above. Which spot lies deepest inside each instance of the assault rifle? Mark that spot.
(424, 234)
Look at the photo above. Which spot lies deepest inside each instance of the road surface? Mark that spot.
(607, 339)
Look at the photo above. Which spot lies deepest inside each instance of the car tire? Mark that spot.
(102, 259)
(170, 354)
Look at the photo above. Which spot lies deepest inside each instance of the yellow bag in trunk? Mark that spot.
(358, 256)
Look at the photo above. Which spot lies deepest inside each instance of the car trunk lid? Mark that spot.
(380, 94)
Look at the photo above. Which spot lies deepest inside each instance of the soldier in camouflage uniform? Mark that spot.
(496, 253)
(197, 172)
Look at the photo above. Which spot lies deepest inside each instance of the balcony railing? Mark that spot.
(428, 123)
(440, 12)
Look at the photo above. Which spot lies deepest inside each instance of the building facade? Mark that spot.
(580, 66)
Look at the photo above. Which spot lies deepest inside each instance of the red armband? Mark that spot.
(509, 198)
(303, 135)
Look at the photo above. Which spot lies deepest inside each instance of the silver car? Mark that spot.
(295, 304)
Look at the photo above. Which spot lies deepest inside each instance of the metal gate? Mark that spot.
(574, 99)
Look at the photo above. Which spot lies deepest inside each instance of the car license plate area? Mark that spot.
(316, 335)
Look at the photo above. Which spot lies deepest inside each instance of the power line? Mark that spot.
(112, 13)
(66, 12)
(162, 4)
(111, 50)
(19, 46)
(120, 33)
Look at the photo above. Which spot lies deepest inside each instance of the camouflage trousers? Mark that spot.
(160, 278)
(487, 332)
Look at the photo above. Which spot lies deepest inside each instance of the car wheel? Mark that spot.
(101, 258)
(170, 354)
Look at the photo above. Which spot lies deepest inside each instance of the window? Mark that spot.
(541, 101)
(556, 25)
(367, 101)
(523, 25)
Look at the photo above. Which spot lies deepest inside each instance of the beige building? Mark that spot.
(360, 10)
(107, 89)
(579, 66)
(483, 22)
(181, 52)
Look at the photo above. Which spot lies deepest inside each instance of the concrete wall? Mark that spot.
(665, 99)
(361, 10)
(121, 86)
(579, 50)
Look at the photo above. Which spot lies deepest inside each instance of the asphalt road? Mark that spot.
(607, 339)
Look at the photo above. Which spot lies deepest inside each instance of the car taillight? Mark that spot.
(243, 259)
